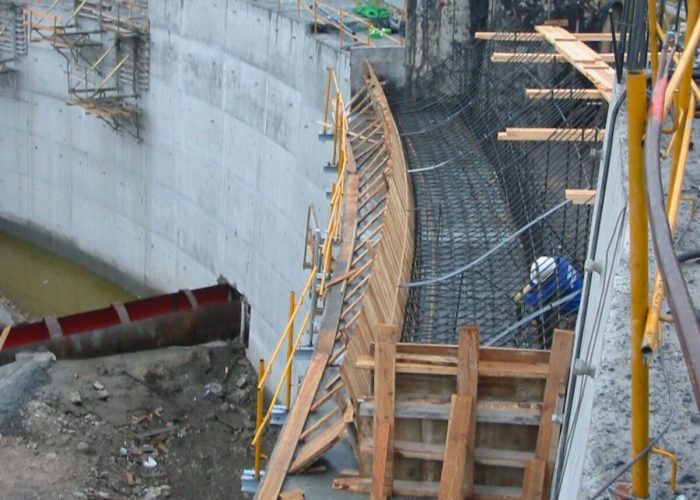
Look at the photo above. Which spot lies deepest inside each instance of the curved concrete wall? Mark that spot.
(221, 183)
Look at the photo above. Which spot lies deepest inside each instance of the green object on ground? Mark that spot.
(372, 11)
(379, 32)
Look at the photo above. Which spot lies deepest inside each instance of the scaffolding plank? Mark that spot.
(384, 385)
(457, 461)
(317, 446)
(555, 388)
(533, 479)
(579, 55)
(552, 134)
(383, 462)
(580, 196)
(500, 369)
(495, 412)
(404, 487)
(435, 452)
(592, 94)
(545, 57)
(467, 384)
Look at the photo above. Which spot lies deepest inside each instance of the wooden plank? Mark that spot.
(316, 447)
(581, 196)
(384, 387)
(403, 487)
(3, 336)
(533, 480)
(435, 452)
(381, 488)
(580, 56)
(486, 368)
(555, 389)
(584, 94)
(326, 396)
(456, 460)
(468, 366)
(536, 37)
(546, 57)
(552, 134)
(485, 353)
(318, 424)
(292, 495)
(498, 412)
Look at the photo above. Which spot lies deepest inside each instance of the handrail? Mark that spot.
(276, 351)
(684, 65)
(323, 265)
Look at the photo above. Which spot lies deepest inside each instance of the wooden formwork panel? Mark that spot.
(510, 438)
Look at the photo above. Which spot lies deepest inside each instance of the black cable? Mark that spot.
(688, 255)
(585, 296)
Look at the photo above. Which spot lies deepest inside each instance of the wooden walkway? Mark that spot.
(582, 57)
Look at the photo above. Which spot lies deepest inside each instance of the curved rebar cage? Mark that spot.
(487, 208)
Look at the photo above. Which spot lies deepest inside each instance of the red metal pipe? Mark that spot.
(182, 318)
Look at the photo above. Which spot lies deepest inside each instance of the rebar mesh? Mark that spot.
(495, 204)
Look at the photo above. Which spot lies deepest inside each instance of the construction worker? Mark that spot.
(552, 279)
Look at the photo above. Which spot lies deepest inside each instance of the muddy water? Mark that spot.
(42, 283)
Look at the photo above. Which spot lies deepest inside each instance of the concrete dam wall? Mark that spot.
(220, 184)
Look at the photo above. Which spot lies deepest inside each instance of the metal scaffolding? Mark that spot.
(106, 47)
(488, 207)
(13, 35)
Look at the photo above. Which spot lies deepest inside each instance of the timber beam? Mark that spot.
(552, 134)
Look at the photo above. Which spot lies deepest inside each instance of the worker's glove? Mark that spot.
(517, 297)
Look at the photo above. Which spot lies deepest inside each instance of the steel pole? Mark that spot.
(639, 277)
(290, 348)
(259, 419)
(653, 39)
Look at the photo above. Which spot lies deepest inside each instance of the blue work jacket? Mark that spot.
(564, 281)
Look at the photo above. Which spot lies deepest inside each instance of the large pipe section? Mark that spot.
(182, 318)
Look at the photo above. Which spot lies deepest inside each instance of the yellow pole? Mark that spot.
(336, 132)
(259, 419)
(327, 104)
(290, 347)
(683, 91)
(653, 39)
(639, 277)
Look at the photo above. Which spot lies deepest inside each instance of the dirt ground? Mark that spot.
(143, 425)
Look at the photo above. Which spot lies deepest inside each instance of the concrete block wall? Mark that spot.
(220, 184)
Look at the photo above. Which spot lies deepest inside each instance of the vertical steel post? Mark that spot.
(639, 278)
(336, 131)
(259, 419)
(327, 104)
(290, 349)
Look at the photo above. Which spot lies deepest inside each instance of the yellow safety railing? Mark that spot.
(334, 100)
(683, 106)
(681, 95)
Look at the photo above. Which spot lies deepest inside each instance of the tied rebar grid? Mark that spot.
(492, 203)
